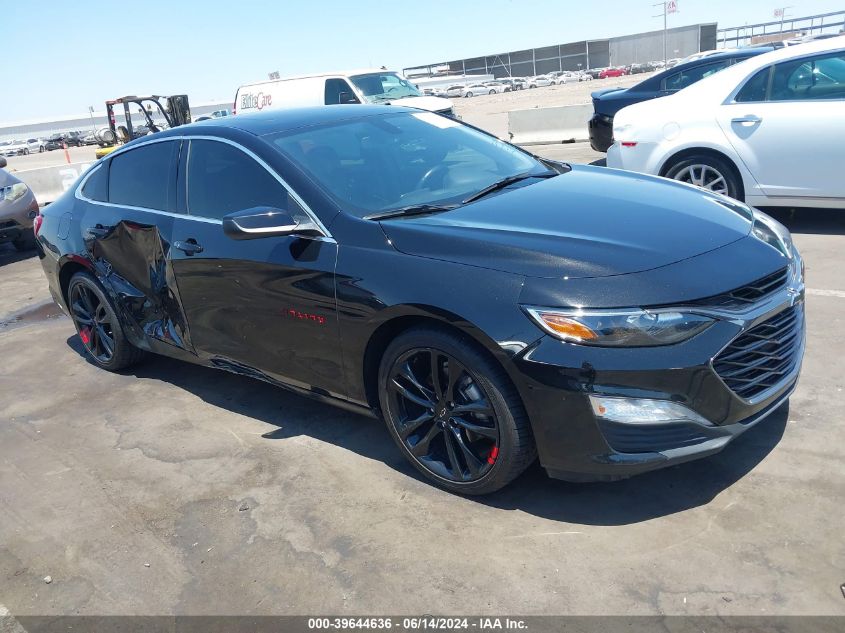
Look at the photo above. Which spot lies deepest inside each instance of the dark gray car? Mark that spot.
(18, 208)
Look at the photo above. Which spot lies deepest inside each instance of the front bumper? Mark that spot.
(557, 378)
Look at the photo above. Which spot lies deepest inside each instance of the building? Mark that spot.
(615, 51)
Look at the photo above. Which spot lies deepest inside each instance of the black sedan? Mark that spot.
(606, 103)
(489, 305)
(59, 141)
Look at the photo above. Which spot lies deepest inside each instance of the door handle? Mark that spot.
(189, 246)
(748, 118)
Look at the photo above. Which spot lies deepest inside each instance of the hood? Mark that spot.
(432, 104)
(589, 222)
(7, 179)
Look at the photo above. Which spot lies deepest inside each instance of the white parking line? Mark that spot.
(826, 293)
(8, 624)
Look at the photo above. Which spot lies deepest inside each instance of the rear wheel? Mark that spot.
(469, 94)
(492, 92)
(708, 172)
(453, 412)
(98, 326)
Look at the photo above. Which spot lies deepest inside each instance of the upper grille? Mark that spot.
(761, 357)
(748, 294)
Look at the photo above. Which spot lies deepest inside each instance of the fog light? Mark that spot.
(643, 411)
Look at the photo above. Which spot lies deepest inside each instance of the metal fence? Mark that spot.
(629, 49)
(782, 28)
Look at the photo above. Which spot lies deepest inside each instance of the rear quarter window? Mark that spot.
(97, 185)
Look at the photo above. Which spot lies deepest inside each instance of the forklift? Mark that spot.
(174, 110)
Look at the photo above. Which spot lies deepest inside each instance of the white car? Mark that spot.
(21, 148)
(497, 87)
(473, 90)
(539, 81)
(769, 131)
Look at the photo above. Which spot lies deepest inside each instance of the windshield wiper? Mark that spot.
(504, 182)
(414, 209)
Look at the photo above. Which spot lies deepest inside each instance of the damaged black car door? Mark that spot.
(128, 238)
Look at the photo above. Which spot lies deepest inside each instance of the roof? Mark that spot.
(283, 119)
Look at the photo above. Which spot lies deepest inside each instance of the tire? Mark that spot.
(490, 446)
(25, 151)
(492, 92)
(41, 149)
(25, 241)
(468, 95)
(708, 172)
(106, 325)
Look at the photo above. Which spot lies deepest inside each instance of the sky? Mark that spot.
(60, 56)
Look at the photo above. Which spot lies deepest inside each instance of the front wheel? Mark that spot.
(708, 172)
(469, 94)
(97, 324)
(453, 412)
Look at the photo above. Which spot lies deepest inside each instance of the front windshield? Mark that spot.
(381, 87)
(389, 161)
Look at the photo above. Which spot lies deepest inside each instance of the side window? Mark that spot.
(223, 179)
(97, 185)
(681, 80)
(821, 77)
(333, 89)
(142, 177)
(755, 88)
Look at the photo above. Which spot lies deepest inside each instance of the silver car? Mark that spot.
(18, 209)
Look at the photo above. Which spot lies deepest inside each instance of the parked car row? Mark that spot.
(21, 148)
(767, 128)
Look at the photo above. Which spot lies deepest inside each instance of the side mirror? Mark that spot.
(347, 97)
(257, 222)
(3, 162)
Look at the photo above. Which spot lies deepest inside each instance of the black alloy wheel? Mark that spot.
(453, 412)
(98, 326)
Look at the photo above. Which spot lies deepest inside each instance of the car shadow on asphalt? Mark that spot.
(634, 500)
(810, 221)
(9, 254)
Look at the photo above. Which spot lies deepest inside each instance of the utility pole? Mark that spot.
(669, 6)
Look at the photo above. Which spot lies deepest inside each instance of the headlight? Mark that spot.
(620, 328)
(773, 233)
(13, 192)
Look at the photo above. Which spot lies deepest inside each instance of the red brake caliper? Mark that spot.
(494, 453)
(85, 335)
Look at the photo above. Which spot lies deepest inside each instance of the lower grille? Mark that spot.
(763, 356)
(630, 438)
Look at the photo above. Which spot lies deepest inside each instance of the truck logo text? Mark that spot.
(260, 101)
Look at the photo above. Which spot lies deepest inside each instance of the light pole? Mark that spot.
(669, 6)
(91, 113)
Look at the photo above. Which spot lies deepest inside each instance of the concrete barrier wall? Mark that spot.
(48, 183)
(560, 124)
